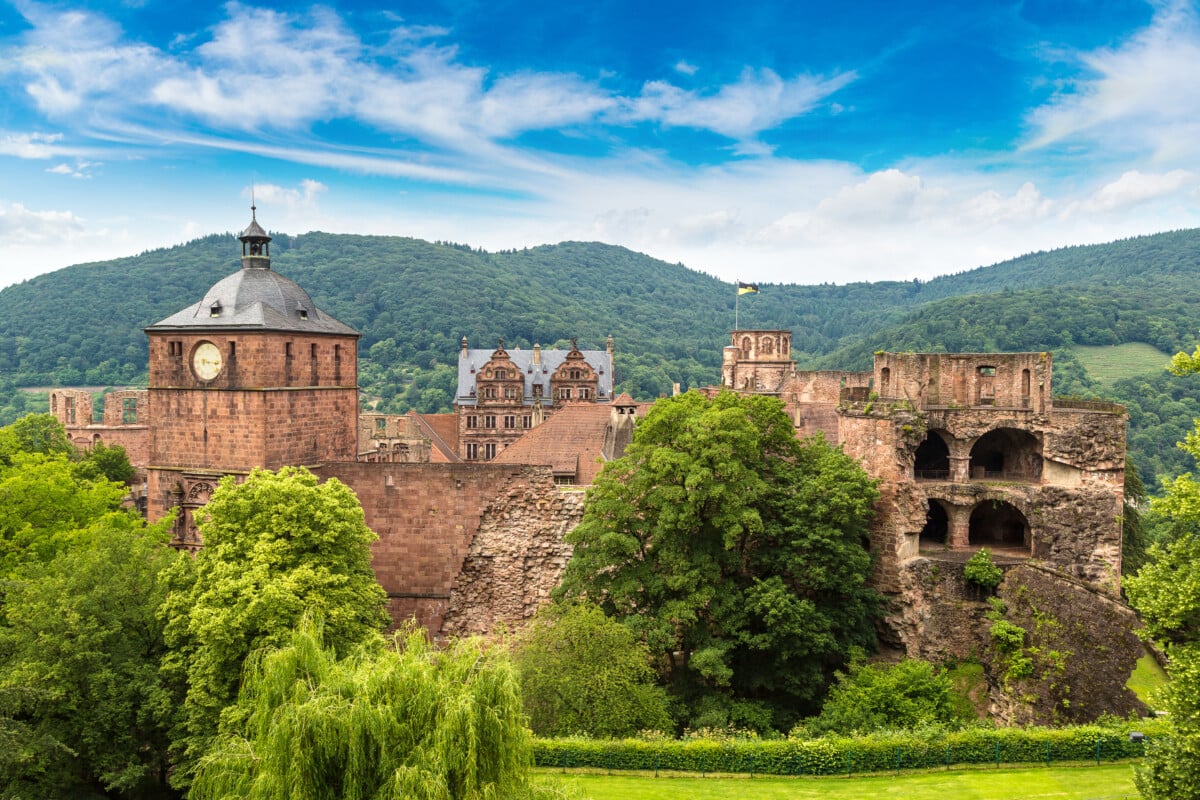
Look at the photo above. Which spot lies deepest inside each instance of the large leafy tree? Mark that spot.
(276, 547)
(1166, 592)
(80, 653)
(872, 697)
(735, 551)
(403, 720)
(583, 672)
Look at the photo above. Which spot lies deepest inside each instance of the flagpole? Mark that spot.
(737, 296)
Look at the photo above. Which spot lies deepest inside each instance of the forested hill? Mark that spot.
(414, 300)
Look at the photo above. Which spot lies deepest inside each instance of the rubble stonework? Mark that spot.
(516, 559)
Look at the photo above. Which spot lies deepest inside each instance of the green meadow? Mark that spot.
(1109, 782)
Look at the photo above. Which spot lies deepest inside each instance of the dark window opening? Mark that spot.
(129, 411)
(937, 526)
(995, 523)
(932, 459)
(1006, 454)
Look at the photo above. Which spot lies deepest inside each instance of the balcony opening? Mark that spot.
(999, 525)
(932, 462)
(1006, 454)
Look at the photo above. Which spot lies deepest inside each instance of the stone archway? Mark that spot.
(999, 525)
(932, 460)
(936, 532)
(1007, 454)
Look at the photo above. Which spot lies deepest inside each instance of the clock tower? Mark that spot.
(254, 375)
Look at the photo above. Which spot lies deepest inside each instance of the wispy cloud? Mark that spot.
(1138, 97)
(30, 145)
(269, 70)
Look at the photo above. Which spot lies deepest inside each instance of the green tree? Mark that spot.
(107, 461)
(1134, 536)
(735, 552)
(871, 697)
(80, 653)
(44, 503)
(401, 721)
(275, 547)
(33, 433)
(582, 672)
(1166, 592)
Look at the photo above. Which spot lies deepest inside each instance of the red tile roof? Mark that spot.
(442, 430)
(570, 442)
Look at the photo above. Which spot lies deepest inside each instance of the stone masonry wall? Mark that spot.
(428, 515)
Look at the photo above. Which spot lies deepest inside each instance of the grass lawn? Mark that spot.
(1110, 782)
(1109, 363)
(1147, 676)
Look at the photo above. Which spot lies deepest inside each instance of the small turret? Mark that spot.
(256, 244)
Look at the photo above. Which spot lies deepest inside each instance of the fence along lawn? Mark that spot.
(1107, 782)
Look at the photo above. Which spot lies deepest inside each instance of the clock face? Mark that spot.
(206, 361)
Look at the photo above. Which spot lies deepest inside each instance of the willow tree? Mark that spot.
(402, 720)
(735, 552)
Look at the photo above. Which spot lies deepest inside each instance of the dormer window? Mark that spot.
(215, 309)
(303, 313)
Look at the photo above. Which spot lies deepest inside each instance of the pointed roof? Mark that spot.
(570, 442)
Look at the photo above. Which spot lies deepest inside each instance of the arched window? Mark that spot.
(937, 526)
(932, 460)
(1006, 454)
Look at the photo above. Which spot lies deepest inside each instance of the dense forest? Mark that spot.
(413, 301)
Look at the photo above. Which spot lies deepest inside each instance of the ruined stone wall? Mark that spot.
(1001, 380)
(427, 517)
(1079, 641)
(515, 561)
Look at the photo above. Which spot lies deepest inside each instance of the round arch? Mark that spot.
(1007, 454)
(999, 524)
(932, 460)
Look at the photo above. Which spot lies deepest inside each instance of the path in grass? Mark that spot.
(1110, 782)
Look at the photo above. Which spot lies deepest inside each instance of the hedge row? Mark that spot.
(833, 755)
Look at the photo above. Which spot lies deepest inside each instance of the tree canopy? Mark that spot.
(276, 546)
(582, 672)
(735, 552)
(403, 720)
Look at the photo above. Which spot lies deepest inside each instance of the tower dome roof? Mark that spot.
(255, 298)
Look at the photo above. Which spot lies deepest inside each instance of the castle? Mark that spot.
(970, 450)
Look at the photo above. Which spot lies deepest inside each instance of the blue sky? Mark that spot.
(775, 142)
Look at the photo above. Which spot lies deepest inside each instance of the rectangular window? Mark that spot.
(472, 452)
(129, 411)
(232, 351)
(70, 410)
(489, 421)
(525, 421)
(337, 354)
(510, 421)
(287, 349)
(472, 421)
(312, 351)
(381, 425)
(489, 451)
(585, 393)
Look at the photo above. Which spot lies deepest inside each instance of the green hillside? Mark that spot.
(414, 300)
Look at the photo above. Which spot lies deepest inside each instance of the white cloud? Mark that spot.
(30, 145)
(1141, 96)
(685, 68)
(20, 225)
(758, 101)
(81, 169)
(1135, 188)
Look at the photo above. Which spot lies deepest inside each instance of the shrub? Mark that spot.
(981, 571)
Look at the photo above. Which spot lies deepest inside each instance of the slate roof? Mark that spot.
(570, 442)
(474, 360)
(255, 299)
